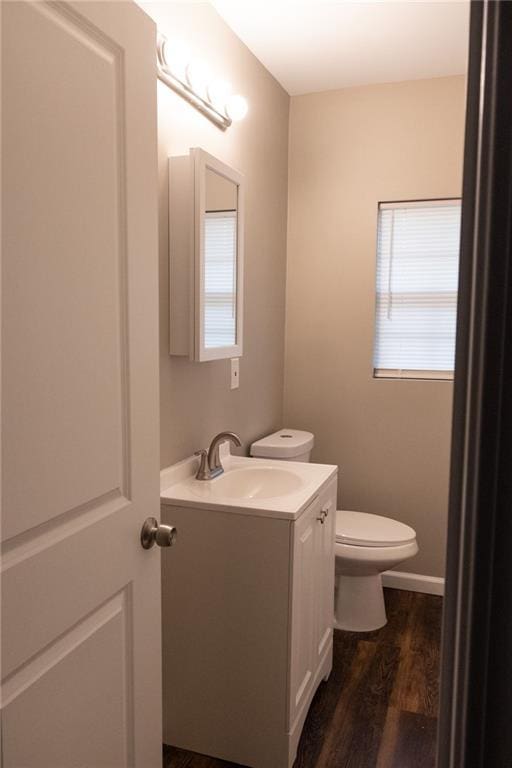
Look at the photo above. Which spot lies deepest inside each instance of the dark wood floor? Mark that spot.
(379, 707)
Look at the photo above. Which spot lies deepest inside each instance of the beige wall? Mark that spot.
(196, 401)
(348, 150)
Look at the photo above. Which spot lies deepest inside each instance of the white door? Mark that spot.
(80, 470)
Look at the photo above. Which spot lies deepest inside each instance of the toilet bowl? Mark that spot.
(366, 544)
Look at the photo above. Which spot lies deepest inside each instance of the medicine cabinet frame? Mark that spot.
(187, 216)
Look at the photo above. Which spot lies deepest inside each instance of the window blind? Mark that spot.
(220, 268)
(417, 277)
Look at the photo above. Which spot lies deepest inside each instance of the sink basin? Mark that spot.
(248, 486)
(249, 483)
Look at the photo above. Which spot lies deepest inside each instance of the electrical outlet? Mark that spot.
(235, 373)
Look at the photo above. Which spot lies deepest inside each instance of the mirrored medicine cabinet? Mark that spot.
(206, 210)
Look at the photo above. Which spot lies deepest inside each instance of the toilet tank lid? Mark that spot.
(283, 444)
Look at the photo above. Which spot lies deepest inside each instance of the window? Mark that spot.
(220, 278)
(417, 276)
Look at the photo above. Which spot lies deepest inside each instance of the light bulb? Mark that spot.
(176, 56)
(236, 107)
(219, 92)
(198, 75)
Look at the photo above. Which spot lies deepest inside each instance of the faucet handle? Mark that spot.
(203, 472)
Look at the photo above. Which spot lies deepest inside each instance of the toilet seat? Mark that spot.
(366, 530)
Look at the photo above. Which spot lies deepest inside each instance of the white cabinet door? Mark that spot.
(324, 572)
(303, 609)
(81, 679)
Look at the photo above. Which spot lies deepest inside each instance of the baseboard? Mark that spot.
(414, 582)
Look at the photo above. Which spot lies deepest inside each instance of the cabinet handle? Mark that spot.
(323, 515)
(325, 510)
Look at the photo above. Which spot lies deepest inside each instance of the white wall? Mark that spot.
(196, 401)
(349, 149)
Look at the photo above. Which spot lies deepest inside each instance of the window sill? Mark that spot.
(383, 373)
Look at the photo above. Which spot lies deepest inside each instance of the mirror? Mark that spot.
(220, 261)
(206, 257)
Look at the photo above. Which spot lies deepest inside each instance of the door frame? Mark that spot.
(476, 696)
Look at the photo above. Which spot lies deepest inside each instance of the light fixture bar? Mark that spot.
(185, 91)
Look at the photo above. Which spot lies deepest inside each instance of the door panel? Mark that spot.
(80, 464)
(324, 590)
(81, 668)
(64, 294)
(37, 610)
(303, 625)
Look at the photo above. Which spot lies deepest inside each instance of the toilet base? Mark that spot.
(359, 603)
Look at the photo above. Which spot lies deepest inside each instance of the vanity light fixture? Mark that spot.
(236, 107)
(192, 79)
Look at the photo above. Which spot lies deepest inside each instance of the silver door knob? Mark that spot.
(154, 532)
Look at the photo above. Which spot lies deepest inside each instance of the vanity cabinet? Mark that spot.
(248, 606)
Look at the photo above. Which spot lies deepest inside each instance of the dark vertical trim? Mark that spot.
(449, 732)
(476, 694)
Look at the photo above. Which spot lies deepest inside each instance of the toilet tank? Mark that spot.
(286, 445)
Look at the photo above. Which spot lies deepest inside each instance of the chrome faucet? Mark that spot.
(214, 463)
(210, 465)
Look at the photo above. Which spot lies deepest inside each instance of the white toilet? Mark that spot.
(366, 545)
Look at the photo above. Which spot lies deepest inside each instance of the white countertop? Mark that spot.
(178, 487)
